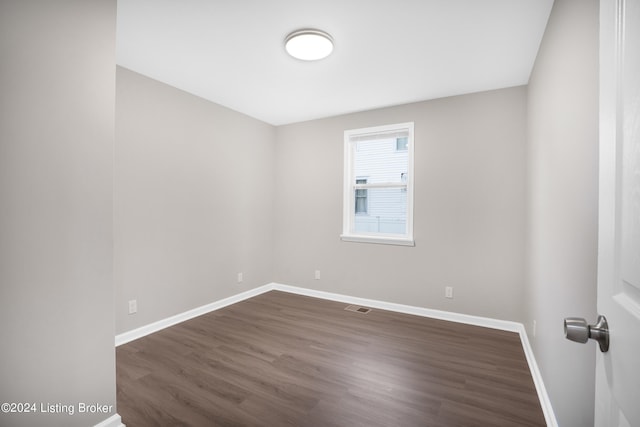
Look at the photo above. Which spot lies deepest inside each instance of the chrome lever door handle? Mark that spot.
(576, 329)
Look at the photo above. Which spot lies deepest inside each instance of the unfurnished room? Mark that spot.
(330, 213)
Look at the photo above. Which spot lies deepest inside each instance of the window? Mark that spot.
(402, 143)
(378, 187)
(361, 198)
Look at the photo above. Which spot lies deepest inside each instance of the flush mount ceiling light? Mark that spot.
(309, 44)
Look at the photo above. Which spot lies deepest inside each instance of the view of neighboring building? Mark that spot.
(381, 161)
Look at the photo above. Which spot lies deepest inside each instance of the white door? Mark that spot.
(618, 370)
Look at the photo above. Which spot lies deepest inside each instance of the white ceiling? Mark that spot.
(386, 52)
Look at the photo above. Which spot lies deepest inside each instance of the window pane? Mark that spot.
(386, 212)
(380, 161)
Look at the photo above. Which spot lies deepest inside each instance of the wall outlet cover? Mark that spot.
(448, 292)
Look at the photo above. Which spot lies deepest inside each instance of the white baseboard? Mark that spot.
(543, 396)
(401, 308)
(486, 322)
(190, 314)
(112, 421)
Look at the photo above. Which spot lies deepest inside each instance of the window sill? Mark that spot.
(398, 241)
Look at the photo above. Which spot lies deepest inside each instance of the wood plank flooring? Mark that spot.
(281, 359)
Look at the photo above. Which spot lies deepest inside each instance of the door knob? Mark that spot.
(576, 329)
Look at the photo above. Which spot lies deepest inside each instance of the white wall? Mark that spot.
(469, 208)
(57, 88)
(562, 164)
(193, 201)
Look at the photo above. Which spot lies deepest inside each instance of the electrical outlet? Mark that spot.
(240, 277)
(448, 292)
(317, 276)
(133, 306)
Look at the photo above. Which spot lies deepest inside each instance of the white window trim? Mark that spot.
(350, 141)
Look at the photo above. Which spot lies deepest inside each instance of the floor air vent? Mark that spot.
(358, 309)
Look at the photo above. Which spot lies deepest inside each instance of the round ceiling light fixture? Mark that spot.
(309, 44)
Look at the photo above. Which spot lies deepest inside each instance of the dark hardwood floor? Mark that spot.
(281, 359)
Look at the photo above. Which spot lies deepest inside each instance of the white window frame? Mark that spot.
(350, 143)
